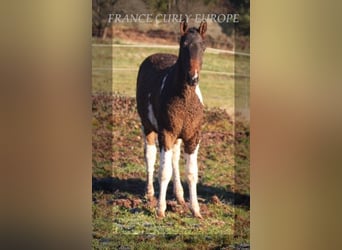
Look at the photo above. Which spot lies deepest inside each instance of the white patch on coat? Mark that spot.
(177, 185)
(165, 164)
(176, 152)
(150, 159)
(165, 173)
(163, 83)
(199, 94)
(191, 160)
(191, 170)
(150, 155)
(150, 114)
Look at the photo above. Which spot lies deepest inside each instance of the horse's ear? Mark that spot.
(203, 28)
(183, 26)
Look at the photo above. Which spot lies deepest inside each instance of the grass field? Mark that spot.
(122, 217)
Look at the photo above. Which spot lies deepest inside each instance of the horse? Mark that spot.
(170, 106)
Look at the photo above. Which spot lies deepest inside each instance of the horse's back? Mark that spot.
(159, 61)
(152, 70)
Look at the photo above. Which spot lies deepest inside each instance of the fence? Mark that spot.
(208, 50)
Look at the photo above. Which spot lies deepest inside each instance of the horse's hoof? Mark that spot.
(198, 216)
(160, 214)
(150, 197)
(181, 201)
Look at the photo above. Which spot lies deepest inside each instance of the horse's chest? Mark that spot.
(184, 115)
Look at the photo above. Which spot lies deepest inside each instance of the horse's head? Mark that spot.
(191, 50)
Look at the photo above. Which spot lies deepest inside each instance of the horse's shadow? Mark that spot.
(135, 186)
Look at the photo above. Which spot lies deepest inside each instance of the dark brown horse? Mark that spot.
(170, 106)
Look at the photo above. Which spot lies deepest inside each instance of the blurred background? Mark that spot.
(46, 152)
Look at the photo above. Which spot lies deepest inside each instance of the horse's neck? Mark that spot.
(179, 80)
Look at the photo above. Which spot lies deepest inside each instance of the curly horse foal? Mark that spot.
(170, 106)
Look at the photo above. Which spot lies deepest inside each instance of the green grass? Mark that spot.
(143, 223)
(101, 61)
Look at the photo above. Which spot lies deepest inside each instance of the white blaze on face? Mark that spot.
(195, 76)
(150, 114)
(199, 94)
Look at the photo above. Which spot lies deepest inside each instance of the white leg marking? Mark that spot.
(199, 94)
(150, 159)
(165, 173)
(192, 177)
(177, 186)
(150, 114)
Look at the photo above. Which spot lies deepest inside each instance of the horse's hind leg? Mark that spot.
(177, 186)
(150, 151)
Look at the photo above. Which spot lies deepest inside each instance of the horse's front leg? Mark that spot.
(165, 172)
(192, 178)
(177, 185)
